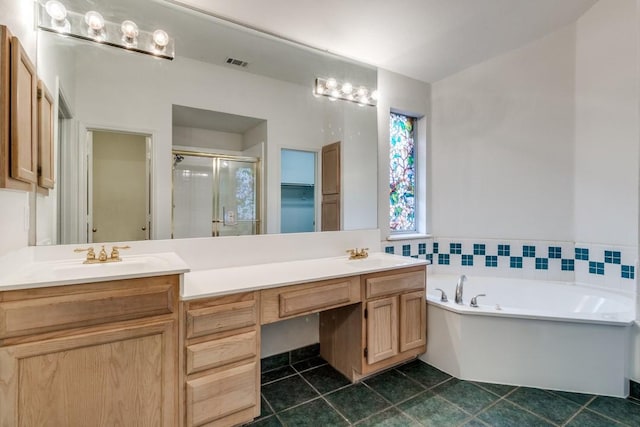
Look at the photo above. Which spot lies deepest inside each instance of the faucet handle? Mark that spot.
(115, 251)
(91, 254)
(443, 297)
(474, 300)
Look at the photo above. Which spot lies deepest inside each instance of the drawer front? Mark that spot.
(37, 315)
(222, 351)
(210, 320)
(316, 298)
(395, 283)
(295, 300)
(220, 394)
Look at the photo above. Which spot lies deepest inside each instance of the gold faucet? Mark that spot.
(102, 256)
(358, 254)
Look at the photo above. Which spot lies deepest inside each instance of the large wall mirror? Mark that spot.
(175, 104)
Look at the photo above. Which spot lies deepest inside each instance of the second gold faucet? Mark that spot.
(358, 254)
(102, 255)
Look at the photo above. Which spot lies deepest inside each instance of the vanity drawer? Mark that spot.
(51, 309)
(221, 394)
(381, 284)
(211, 354)
(220, 318)
(290, 301)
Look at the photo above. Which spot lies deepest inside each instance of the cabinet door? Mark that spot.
(102, 377)
(45, 137)
(382, 329)
(413, 320)
(24, 132)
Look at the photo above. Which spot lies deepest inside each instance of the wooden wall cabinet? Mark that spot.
(390, 324)
(220, 360)
(18, 115)
(46, 170)
(71, 367)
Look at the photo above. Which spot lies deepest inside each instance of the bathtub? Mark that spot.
(549, 335)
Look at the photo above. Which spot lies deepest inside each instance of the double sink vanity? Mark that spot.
(163, 340)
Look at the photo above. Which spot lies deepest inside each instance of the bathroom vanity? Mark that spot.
(180, 347)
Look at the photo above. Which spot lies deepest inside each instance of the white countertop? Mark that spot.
(35, 274)
(222, 281)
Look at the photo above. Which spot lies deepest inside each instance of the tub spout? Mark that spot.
(459, 289)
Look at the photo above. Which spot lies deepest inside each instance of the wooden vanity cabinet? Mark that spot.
(99, 354)
(220, 360)
(18, 115)
(390, 324)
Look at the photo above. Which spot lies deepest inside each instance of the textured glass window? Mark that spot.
(402, 176)
(245, 194)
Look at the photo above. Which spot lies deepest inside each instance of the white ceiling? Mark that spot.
(423, 39)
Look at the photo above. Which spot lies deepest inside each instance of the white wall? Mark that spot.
(412, 97)
(206, 138)
(607, 134)
(503, 133)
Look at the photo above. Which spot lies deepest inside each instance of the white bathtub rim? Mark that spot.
(625, 318)
(485, 310)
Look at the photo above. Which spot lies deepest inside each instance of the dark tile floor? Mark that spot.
(300, 389)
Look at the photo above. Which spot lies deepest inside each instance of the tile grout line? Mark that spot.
(322, 396)
(582, 408)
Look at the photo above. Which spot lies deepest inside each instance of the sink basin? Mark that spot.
(74, 271)
(378, 260)
(128, 265)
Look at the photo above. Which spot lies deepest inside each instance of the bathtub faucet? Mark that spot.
(459, 289)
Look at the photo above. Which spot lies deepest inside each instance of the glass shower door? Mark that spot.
(235, 201)
(214, 195)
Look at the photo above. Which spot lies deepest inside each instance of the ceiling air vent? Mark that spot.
(237, 62)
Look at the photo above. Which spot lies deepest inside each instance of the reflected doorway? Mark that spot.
(297, 191)
(118, 186)
(214, 195)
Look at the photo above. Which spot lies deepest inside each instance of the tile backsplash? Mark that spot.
(595, 264)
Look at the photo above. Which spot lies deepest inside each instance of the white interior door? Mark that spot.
(118, 190)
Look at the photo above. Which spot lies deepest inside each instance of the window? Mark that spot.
(402, 174)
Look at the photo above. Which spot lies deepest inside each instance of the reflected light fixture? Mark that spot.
(91, 26)
(95, 25)
(129, 33)
(58, 15)
(345, 91)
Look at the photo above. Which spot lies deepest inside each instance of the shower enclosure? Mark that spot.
(214, 195)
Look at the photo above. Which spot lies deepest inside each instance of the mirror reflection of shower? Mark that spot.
(214, 195)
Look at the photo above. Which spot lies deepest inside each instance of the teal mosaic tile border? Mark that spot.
(545, 256)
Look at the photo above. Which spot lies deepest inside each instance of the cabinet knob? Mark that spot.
(144, 228)
(94, 229)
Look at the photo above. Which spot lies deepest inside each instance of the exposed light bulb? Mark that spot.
(129, 32)
(335, 93)
(331, 83)
(319, 89)
(94, 20)
(347, 88)
(160, 39)
(56, 10)
(362, 91)
(58, 14)
(374, 95)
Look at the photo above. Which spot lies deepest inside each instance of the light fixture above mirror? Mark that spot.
(345, 91)
(91, 26)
